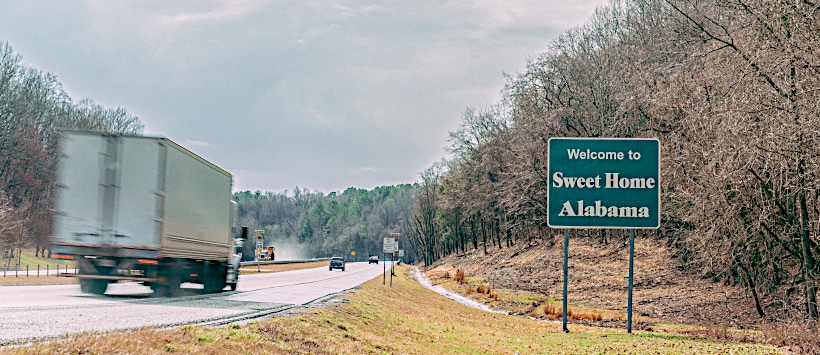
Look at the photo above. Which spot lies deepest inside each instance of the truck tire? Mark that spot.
(160, 290)
(169, 288)
(173, 285)
(214, 278)
(93, 286)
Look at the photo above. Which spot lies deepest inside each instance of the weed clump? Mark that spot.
(553, 311)
(484, 289)
(459, 277)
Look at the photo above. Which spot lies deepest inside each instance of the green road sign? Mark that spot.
(604, 183)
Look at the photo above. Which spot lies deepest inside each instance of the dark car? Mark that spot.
(337, 263)
(374, 259)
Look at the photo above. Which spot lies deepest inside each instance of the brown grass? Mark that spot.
(663, 293)
(554, 311)
(459, 277)
(484, 289)
(798, 338)
(33, 280)
(387, 320)
(252, 269)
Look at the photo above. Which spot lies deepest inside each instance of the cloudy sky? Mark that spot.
(322, 95)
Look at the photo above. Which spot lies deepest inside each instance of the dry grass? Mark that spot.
(33, 280)
(246, 270)
(388, 320)
(555, 311)
(459, 277)
(798, 338)
(663, 293)
(22, 277)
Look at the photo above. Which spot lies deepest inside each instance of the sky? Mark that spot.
(319, 95)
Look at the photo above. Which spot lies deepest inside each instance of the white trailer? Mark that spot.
(143, 209)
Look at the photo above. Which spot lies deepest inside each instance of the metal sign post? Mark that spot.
(387, 248)
(603, 183)
(259, 245)
(629, 300)
(566, 281)
(395, 238)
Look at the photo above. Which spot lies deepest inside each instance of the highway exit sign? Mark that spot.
(604, 183)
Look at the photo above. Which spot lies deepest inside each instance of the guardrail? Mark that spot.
(272, 262)
(15, 271)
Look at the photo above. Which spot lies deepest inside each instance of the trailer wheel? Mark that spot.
(160, 290)
(169, 288)
(173, 285)
(94, 286)
(215, 275)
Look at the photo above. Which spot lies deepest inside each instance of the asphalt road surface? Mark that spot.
(30, 313)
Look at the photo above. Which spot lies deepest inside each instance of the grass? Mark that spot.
(380, 319)
(28, 259)
(252, 269)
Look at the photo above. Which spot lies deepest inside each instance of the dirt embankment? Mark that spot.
(598, 281)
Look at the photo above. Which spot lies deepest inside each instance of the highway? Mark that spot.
(42, 312)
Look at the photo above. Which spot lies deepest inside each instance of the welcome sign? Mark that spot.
(604, 183)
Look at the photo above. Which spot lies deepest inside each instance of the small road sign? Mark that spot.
(259, 233)
(389, 245)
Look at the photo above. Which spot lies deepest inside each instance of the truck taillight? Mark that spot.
(148, 261)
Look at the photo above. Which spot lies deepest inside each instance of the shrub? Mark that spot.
(459, 277)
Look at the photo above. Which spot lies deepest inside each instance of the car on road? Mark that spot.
(374, 259)
(337, 262)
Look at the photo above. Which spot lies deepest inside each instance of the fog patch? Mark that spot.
(288, 249)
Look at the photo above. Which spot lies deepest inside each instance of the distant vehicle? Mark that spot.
(267, 254)
(337, 263)
(374, 259)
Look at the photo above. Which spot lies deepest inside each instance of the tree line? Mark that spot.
(33, 108)
(309, 224)
(729, 87)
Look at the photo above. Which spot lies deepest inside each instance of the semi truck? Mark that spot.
(144, 209)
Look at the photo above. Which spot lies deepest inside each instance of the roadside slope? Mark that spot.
(406, 318)
(598, 276)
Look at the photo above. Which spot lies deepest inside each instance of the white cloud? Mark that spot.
(317, 94)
